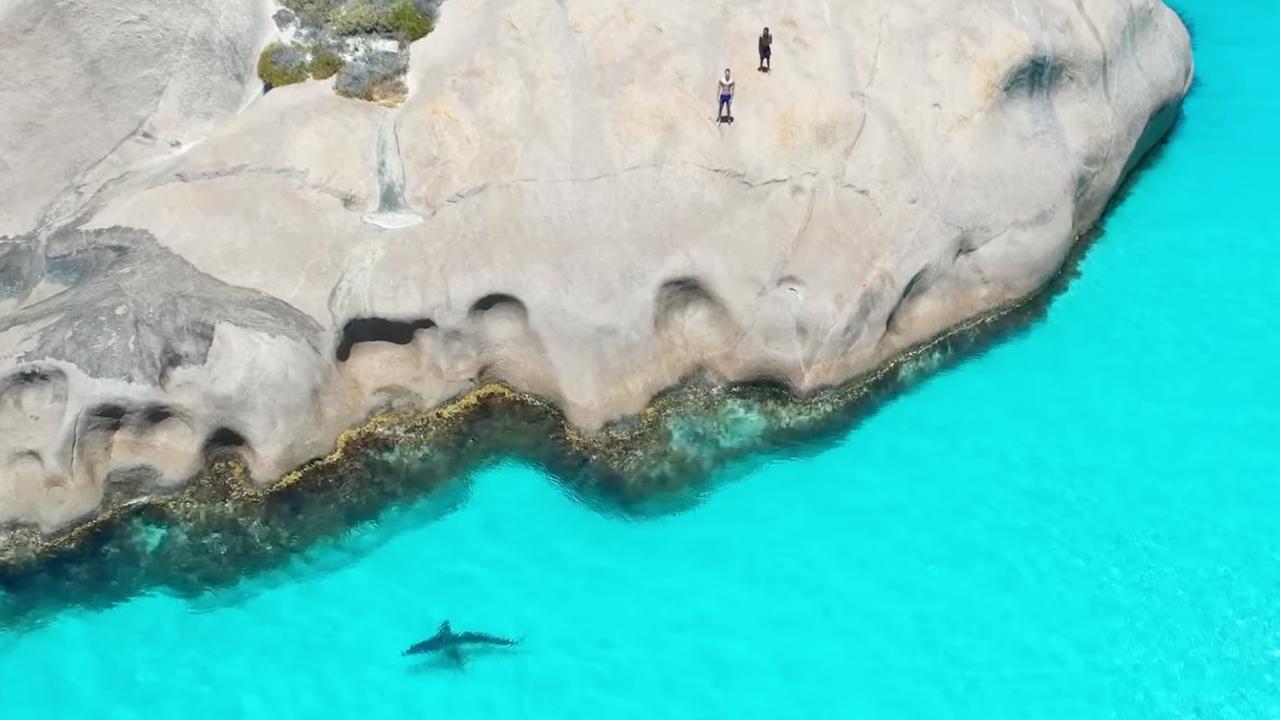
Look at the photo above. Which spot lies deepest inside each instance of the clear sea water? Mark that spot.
(1083, 522)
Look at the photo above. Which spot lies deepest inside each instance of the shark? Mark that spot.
(450, 644)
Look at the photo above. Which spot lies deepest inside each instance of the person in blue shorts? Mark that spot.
(726, 97)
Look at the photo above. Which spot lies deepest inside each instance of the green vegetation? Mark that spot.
(281, 65)
(374, 77)
(357, 19)
(363, 70)
(408, 23)
(313, 12)
(402, 20)
(324, 63)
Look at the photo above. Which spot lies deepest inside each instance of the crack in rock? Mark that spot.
(300, 177)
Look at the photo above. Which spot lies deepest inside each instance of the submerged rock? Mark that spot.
(183, 278)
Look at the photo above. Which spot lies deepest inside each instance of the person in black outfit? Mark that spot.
(766, 51)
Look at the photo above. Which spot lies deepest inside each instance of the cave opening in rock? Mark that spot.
(224, 438)
(362, 330)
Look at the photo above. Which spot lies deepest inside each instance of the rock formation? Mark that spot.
(188, 264)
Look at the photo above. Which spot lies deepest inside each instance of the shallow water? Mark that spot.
(1081, 523)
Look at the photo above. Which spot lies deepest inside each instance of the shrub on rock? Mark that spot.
(408, 23)
(336, 30)
(373, 76)
(313, 12)
(281, 65)
(324, 63)
(401, 20)
(359, 18)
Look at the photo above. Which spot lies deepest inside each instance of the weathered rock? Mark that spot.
(284, 18)
(91, 90)
(589, 233)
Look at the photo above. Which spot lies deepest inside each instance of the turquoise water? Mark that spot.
(1082, 523)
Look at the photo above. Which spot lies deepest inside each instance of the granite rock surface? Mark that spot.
(187, 265)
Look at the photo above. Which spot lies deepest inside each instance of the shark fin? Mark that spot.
(444, 628)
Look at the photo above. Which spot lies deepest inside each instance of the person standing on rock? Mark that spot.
(726, 97)
(766, 51)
